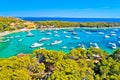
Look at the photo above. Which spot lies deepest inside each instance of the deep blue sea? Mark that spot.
(71, 19)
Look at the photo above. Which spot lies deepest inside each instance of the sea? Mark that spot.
(20, 43)
(71, 19)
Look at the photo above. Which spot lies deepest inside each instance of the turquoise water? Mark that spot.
(14, 46)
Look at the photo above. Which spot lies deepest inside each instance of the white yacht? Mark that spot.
(67, 36)
(64, 47)
(100, 33)
(36, 45)
(29, 34)
(44, 39)
(81, 46)
(95, 45)
(75, 37)
(106, 36)
(88, 33)
(74, 33)
(56, 35)
(113, 34)
(56, 42)
(48, 33)
(64, 32)
(55, 31)
(112, 45)
(71, 30)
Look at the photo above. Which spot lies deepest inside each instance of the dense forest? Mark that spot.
(79, 64)
(11, 24)
(61, 24)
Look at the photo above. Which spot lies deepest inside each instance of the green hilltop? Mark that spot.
(79, 64)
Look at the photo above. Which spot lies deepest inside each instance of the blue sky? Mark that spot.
(61, 8)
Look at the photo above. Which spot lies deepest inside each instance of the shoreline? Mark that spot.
(2, 34)
(8, 32)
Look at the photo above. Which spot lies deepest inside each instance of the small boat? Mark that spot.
(81, 46)
(100, 33)
(23, 30)
(74, 33)
(56, 35)
(106, 36)
(20, 40)
(95, 45)
(42, 31)
(48, 33)
(30, 34)
(44, 39)
(55, 31)
(75, 37)
(56, 42)
(36, 45)
(71, 30)
(64, 47)
(113, 45)
(67, 36)
(113, 34)
(88, 33)
(64, 32)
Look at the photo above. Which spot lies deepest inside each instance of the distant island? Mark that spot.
(11, 24)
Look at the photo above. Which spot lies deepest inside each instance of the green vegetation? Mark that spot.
(10, 24)
(79, 64)
(61, 24)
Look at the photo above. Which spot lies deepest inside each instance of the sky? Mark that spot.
(61, 8)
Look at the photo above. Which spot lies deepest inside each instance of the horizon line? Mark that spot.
(60, 17)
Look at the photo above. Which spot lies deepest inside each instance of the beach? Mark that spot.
(10, 32)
